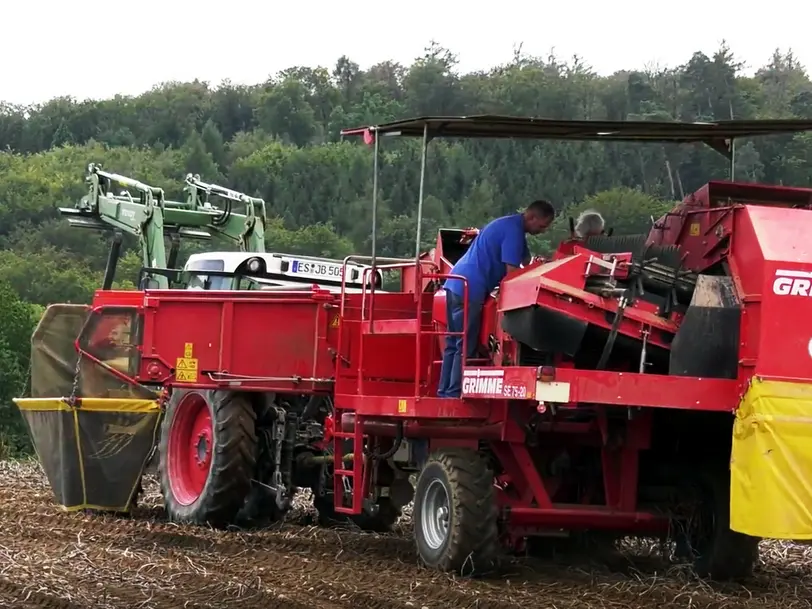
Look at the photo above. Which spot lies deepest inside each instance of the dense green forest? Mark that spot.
(279, 140)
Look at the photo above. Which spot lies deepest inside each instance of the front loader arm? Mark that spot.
(246, 230)
(102, 209)
(143, 211)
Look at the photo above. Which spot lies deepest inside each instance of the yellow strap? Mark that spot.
(88, 404)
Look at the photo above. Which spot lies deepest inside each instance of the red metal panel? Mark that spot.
(651, 390)
(244, 339)
(559, 285)
(118, 298)
(383, 347)
(779, 324)
(414, 408)
(561, 516)
(616, 388)
(390, 326)
(701, 223)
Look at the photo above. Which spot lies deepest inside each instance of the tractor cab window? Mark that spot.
(207, 282)
(110, 355)
(110, 335)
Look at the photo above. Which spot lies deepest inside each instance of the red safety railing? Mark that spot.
(368, 288)
(389, 264)
(420, 332)
(358, 472)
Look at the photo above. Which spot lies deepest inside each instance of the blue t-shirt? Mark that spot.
(501, 242)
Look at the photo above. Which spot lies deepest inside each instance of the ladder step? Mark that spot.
(347, 435)
(347, 473)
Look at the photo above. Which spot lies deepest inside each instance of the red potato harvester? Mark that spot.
(627, 385)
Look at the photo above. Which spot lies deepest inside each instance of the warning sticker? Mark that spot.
(185, 363)
(186, 376)
(402, 406)
(186, 366)
(334, 322)
(694, 230)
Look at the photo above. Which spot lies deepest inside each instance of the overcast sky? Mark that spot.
(85, 49)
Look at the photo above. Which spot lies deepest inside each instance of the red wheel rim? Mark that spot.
(190, 448)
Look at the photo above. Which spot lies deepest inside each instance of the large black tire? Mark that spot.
(470, 545)
(718, 552)
(233, 458)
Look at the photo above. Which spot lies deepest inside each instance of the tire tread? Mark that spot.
(473, 546)
(233, 461)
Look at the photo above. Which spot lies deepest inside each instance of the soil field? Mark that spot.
(81, 561)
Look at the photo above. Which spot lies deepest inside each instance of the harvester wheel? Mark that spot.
(208, 453)
(455, 513)
(719, 553)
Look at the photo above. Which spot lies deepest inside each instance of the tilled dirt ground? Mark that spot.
(81, 561)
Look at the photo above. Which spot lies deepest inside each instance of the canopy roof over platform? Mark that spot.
(718, 135)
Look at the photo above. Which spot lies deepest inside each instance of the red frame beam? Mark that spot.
(610, 388)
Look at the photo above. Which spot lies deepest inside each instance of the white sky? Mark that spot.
(50, 48)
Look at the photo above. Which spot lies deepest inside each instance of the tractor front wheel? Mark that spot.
(207, 456)
(455, 513)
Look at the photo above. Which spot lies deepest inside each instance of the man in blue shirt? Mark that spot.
(500, 247)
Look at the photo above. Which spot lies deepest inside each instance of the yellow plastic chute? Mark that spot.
(771, 461)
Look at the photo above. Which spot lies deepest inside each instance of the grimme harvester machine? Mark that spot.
(653, 384)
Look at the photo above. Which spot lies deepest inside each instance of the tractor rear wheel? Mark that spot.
(207, 456)
(455, 513)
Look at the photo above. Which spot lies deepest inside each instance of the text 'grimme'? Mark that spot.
(482, 382)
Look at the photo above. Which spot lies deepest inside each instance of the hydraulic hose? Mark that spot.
(610, 341)
(395, 446)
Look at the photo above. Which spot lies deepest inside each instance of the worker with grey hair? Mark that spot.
(589, 224)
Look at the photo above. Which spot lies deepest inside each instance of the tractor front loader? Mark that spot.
(110, 425)
(82, 362)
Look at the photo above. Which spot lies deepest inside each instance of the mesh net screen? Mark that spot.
(53, 353)
(93, 449)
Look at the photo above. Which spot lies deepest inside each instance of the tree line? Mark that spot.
(280, 140)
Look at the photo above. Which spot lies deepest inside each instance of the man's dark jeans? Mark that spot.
(451, 375)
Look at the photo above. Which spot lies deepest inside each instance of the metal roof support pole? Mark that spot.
(374, 203)
(421, 193)
(732, 159)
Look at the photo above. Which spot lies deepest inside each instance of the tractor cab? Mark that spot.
(271, 270)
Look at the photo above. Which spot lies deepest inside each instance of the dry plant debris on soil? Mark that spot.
(49, 558)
